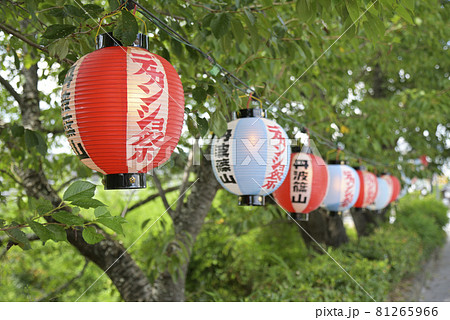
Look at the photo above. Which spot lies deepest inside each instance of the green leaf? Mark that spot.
(93, 10)
(41, 205)
(87, 203)
(303, 10)
(114, 4)
(101, 211)
(145, 222)
(68, 218)
(353, 9)
(20, 238)
(41, 146)
(79, 189)
(199, 94)
(91, 236)
(57, 12)
(35, 139)
(17, 131)
(402, 12)
(237, 28)
(74, 11)
(202, 125)
(408, 4)
(191, 126)
(126, 28)
(57, 31)
(218, 123)
(220, 25)
(114, 223)
(376, 25)
(41, 231)
(59, 233)
(31, 139)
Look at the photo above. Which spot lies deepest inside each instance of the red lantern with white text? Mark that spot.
(396, 188)
(305, 185)
(123, 111)
(368, 188)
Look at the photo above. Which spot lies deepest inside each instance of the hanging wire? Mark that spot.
(234, 79)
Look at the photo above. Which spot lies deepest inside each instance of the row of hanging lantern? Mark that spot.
(123, 111)
(252, 160)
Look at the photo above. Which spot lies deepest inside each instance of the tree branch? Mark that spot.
(64, 286)
(11, 90)
(186, 174)
(17, 34)
(161, 192)
(148, 199)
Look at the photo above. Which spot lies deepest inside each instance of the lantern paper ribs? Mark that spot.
(123, 111)
(305, 185)
(343, 189)
(251, 160)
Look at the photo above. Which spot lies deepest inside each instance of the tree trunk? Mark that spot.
(365, 221)
(188, 220)
(325, 228)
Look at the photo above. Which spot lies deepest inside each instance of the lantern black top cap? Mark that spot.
(304, 149)
(251, 113)
(105, 40)
(337, 162)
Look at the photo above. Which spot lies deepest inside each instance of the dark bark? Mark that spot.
(365, 221)
(325, 228)
(188, 220)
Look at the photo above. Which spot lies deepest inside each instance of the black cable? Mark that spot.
(230, 76)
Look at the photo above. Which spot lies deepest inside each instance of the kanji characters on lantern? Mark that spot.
(123, 111)
(251, 159)
(305, 185)
(343, 189)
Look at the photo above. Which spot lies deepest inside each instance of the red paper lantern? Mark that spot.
(123, 111)
(368, 189)
(396, 188)
(305, 185)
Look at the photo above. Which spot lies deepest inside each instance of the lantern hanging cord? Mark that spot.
(175, 35)
(234, 80)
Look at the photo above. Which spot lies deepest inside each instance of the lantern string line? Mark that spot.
(316, 242)
(175, 35)
(248, 90)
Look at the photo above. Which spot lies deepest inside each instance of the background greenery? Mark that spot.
(376, 86)
(244, 255)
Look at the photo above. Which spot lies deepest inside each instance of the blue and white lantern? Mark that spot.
(383, 196)
(252, 159)
(343, 188)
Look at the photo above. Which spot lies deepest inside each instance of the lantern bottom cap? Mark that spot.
(125, 181)
(251, 200)
(300, 216)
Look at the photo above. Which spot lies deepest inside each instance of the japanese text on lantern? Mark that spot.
(151, 124)
(371, 187)
(278, 163)
(222, 156)
(68, 115)
(349, 180)
(300, 181)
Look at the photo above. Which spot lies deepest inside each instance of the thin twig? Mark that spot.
(161, 192)
(148, 199)
(17, 34)
(10, 89)
(186, 174)
(58, 290)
